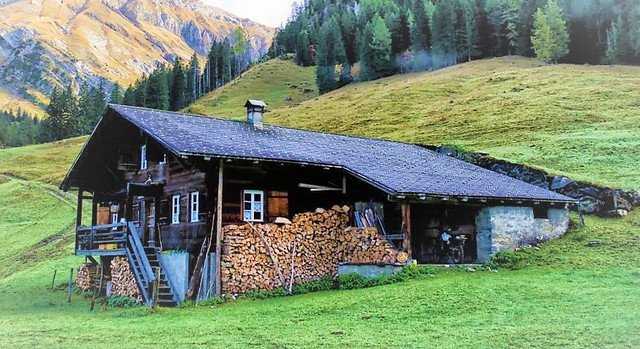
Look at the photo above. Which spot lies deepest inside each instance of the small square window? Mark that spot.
(540, 213)
(253, 206)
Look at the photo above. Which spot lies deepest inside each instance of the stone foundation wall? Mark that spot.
(505, 228)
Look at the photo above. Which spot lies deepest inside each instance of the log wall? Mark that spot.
(322, 240)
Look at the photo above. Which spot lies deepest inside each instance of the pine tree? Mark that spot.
(85, 107)
(541, 38)
(240, 49)
(550, 37)
(193, 79)
(330, 53)
(612, 53)
(63, 121)
(178, 86)
(375, 54)
(444, 35)
(116, 96)
(303, 53)
(158, 90)
(420, 30)
(468, 30)
(141, 92)
(129, 96)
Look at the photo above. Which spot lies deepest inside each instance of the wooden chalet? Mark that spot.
(161, 181)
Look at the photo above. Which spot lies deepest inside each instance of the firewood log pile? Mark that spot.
(322, 240)
(87, 277)
(123, 281)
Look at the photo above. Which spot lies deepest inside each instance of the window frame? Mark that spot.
(114, 219)
(253, 203)
(175, 209)
(144, 163)
(194, 206)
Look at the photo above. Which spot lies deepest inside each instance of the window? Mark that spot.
(195, 206)
(540, 213)
(114, 219)
(143, 157)
(253, 205)
(175, 209)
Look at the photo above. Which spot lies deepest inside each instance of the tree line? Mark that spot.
(18, 129)
(368, 39)
(174, 87)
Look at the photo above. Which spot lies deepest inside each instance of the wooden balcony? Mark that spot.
(102, 240)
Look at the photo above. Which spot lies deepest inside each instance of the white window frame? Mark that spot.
(143, 157)
(253, 203)
(195, 206)
(175, 209)
(114, 219)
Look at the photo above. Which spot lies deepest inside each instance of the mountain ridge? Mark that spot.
(44, 43)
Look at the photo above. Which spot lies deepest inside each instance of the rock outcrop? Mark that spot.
(594, 199)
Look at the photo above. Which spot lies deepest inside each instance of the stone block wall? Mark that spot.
(507, 227)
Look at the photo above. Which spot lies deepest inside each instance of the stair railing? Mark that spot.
(135, 252)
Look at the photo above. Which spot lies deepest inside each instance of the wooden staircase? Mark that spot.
(166, 296)
(150, 277)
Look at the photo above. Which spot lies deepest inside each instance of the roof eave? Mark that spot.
(468, 198)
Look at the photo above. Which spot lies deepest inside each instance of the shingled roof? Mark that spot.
(394, 167)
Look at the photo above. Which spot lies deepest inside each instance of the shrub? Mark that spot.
(508, 259)
(122, 302)
(352, 281)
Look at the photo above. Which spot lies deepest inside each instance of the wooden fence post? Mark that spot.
(54, 278)
(69, 287)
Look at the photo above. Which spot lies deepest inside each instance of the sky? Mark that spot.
(270, 12)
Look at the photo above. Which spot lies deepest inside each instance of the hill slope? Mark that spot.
(580, 121)
(280, 83)
(48, 42)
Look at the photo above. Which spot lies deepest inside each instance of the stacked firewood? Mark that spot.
(87, 277)
(260, 256)
(123, 281)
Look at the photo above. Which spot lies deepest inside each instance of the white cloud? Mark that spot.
(270, 12)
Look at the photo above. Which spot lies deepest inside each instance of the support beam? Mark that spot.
(219, 227)
(79, 213)
(406, 222)
(94, 213)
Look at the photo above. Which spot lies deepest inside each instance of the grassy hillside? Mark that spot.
(280, 83)
(580, 121)
(46, 163)
(564, 294)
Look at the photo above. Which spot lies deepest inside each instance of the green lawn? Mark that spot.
(47, 163)
(576, 120)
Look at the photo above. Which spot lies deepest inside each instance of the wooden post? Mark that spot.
(69, 287)
(219, 227)
(79, 214)
(406, 221)
(55, 272)
(94, 212)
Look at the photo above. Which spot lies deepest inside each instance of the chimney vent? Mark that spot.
(255, 113)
